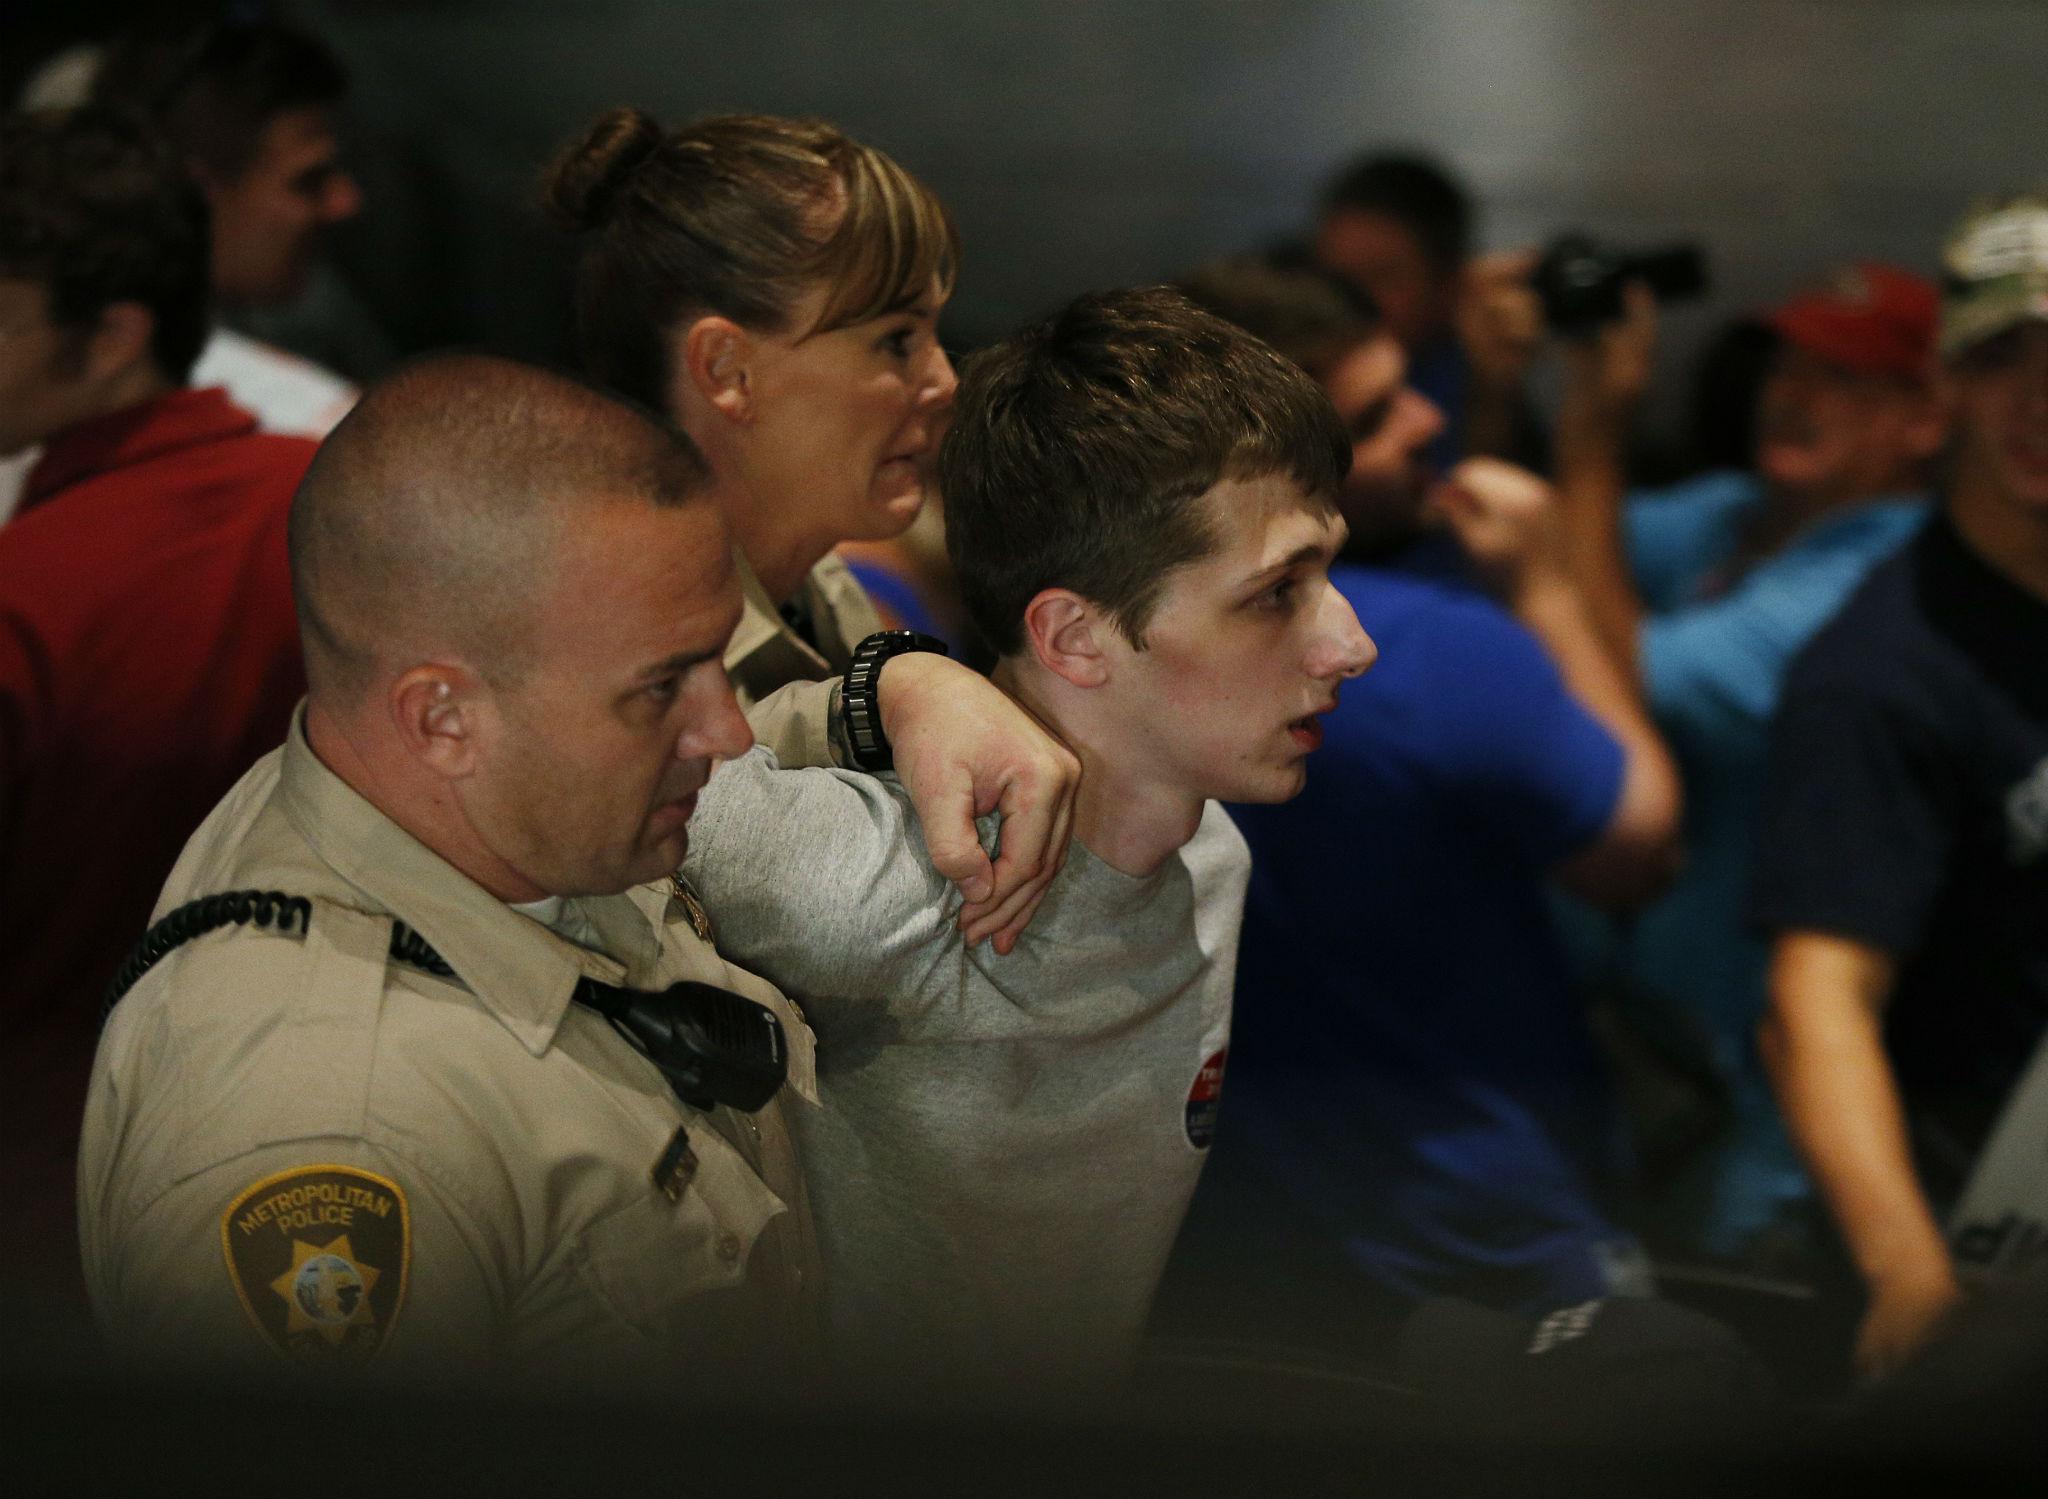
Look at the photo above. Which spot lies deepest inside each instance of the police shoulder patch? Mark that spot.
(319, 1257)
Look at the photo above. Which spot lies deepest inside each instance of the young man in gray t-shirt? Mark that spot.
(1140, 509)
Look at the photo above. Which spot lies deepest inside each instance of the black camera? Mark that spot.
(1579, 280)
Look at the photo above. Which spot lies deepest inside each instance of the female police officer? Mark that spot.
(775, 287)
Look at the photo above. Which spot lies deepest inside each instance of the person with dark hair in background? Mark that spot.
(1142, 515)
(148, 649)
(1417, 1106)
(250, 103)
(1400, 228)
(774, 286)
(1902, 856)
(1710, 587)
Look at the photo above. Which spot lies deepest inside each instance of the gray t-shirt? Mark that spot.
(1007, 1144)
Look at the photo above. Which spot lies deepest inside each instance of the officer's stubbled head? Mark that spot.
(514, 593)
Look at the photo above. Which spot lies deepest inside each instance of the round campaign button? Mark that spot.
(1204, 1098)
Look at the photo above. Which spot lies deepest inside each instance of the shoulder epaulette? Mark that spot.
(291, 915)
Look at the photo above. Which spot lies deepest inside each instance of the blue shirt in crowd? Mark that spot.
(1715, 647)
(899, 603)
(1408, 1061)
(1441, 372)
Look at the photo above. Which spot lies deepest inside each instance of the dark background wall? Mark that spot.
(1086, 142)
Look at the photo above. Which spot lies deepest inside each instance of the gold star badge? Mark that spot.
(693, 906)
(326, 1291)
(319, 1257)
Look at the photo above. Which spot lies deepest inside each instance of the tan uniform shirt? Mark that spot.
(766, 653)
(299, 1142)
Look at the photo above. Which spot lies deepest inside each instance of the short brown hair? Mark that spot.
(213, 87)
(735, 215)
(97, 211)
(1080, 447)
(432, 509)
(1416, 192)
(1307, 315)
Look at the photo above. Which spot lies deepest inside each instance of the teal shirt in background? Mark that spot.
(1715, 647)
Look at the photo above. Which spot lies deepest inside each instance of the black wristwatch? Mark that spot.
(860, 703)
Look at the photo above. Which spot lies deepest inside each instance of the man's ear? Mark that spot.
(439, 712)
(718, 364)
(1067, 635)
(119, 339)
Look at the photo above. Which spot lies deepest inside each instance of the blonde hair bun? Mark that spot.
(585, 182)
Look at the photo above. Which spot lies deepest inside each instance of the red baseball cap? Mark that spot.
(1872, 318)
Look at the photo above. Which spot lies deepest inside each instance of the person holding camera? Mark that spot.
(1399, 228)
(1708, 589)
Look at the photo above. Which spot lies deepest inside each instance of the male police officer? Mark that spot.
(395, 1124)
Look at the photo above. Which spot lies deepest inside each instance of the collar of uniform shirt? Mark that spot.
(523, 973)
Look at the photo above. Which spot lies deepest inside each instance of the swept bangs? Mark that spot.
(893, 240)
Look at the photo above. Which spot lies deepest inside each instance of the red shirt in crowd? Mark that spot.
(149, 653)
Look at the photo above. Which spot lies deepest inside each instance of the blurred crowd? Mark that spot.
(1651, 952)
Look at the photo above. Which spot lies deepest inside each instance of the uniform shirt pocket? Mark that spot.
(662, 1265)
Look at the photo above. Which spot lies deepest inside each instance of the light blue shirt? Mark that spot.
(1715, 648)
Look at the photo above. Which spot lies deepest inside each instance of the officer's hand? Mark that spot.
(964, 749)
(1904, 1313)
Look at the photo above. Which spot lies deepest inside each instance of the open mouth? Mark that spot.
(1307, 732)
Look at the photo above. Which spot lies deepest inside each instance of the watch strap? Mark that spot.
(860, 696)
